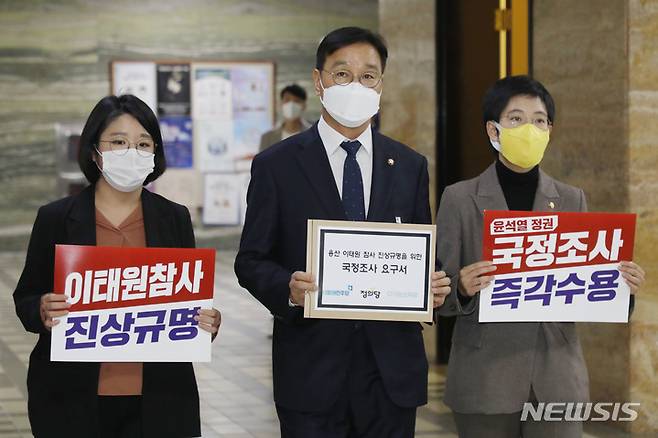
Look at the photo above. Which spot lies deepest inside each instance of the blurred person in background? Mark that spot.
(293, 104)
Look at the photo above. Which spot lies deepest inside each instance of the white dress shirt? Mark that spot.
(331, 139)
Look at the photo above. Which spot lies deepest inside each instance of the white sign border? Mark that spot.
(311, 303)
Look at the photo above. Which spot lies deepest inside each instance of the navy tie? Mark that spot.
(352, 183)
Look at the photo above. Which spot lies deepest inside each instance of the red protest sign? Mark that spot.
(96, 277)
(556, 266)
(531, 241)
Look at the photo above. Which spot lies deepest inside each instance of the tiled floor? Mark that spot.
(235, 388)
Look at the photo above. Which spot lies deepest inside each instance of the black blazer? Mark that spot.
(62, 396)
(292, 182)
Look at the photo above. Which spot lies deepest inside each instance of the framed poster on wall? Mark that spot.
(212, 115)
(136, 78)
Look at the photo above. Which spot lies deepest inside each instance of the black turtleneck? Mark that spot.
(519, 188)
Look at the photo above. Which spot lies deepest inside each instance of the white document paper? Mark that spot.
(368, 270)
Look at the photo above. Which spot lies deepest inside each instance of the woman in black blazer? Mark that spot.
(120, 151)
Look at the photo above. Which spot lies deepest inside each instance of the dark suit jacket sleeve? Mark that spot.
(255, 267)
(423, 213)
(37, 275)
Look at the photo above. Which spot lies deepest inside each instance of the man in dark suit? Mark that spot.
(336, 378)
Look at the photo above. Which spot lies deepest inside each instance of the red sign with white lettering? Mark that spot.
(556, 266)
(524, 241)
(97, 277)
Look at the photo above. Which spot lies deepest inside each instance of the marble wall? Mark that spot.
(643, 199)
(598, 58)
(54, 58)
(408, 106)
(578, 54)
(409, 97)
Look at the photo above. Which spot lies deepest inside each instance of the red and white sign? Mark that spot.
(132, 304)
(556, 266)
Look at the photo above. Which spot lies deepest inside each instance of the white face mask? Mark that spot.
(350, 105)
(291, 110)
(127, 172)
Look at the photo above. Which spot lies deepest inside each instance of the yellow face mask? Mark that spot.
(523, 146)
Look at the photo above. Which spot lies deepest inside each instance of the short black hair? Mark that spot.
(106, 111)
(345, 36)
(499, 94)
(295, 90)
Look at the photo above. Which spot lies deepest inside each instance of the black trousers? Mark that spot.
(363, 410)
(120, 416)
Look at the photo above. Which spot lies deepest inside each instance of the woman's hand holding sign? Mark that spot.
(53, 306)
(633, 274)
(473, 278)
(209, 320)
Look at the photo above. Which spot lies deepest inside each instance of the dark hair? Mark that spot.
(104, 113)
(295, 90)
(498, 96)
(345, 36)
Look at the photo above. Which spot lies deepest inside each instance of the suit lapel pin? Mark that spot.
(552, 205)
(390, 161)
